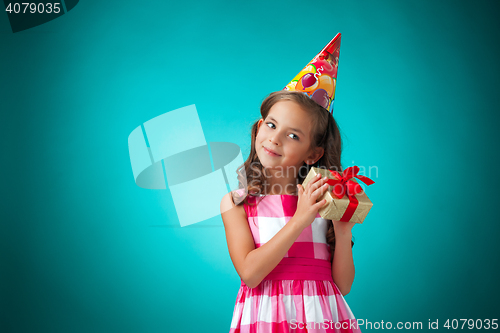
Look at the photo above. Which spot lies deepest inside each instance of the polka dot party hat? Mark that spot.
(319, 78)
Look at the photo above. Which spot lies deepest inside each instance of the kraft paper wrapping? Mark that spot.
(335, 208)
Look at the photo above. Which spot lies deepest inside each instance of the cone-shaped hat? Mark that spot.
(319, 78)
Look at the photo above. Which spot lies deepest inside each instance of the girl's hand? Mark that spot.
(343, 228)
(307, 207)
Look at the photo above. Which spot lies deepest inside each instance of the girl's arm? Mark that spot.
(252, 264)
(343, 265)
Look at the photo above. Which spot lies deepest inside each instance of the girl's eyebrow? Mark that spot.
(293, 129)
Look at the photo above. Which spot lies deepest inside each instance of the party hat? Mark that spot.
(319, 78)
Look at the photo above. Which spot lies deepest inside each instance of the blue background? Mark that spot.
(84, 249)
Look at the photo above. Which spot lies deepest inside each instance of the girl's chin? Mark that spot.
(270, 166)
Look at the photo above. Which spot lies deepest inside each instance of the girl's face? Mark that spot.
(284, 137)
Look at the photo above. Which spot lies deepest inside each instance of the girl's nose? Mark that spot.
(274, 140)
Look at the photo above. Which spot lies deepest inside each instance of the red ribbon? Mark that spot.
(349, 187)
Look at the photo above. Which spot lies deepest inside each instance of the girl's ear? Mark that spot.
(315, 155)
(258, 124)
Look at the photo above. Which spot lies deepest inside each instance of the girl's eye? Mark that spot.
(271, 125)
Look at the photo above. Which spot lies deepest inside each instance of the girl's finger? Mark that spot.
(315, 183)
(314, 180)
(320, 190)
(320, 204)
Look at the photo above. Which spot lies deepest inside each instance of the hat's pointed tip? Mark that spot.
(318, 79)
(334, 44)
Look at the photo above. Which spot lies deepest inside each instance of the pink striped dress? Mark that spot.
(299, 295)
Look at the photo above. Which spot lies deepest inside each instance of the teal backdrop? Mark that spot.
(84, 249)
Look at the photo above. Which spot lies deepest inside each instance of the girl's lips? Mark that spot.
(271, 152)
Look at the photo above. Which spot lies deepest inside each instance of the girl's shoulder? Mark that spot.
(233, 199)
(239, 192)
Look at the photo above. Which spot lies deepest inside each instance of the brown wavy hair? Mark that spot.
(326, 134)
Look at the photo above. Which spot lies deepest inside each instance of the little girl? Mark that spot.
(295, 267)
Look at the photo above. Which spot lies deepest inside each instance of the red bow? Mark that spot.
(349, 187)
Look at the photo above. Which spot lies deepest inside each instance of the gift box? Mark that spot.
(346, 200)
